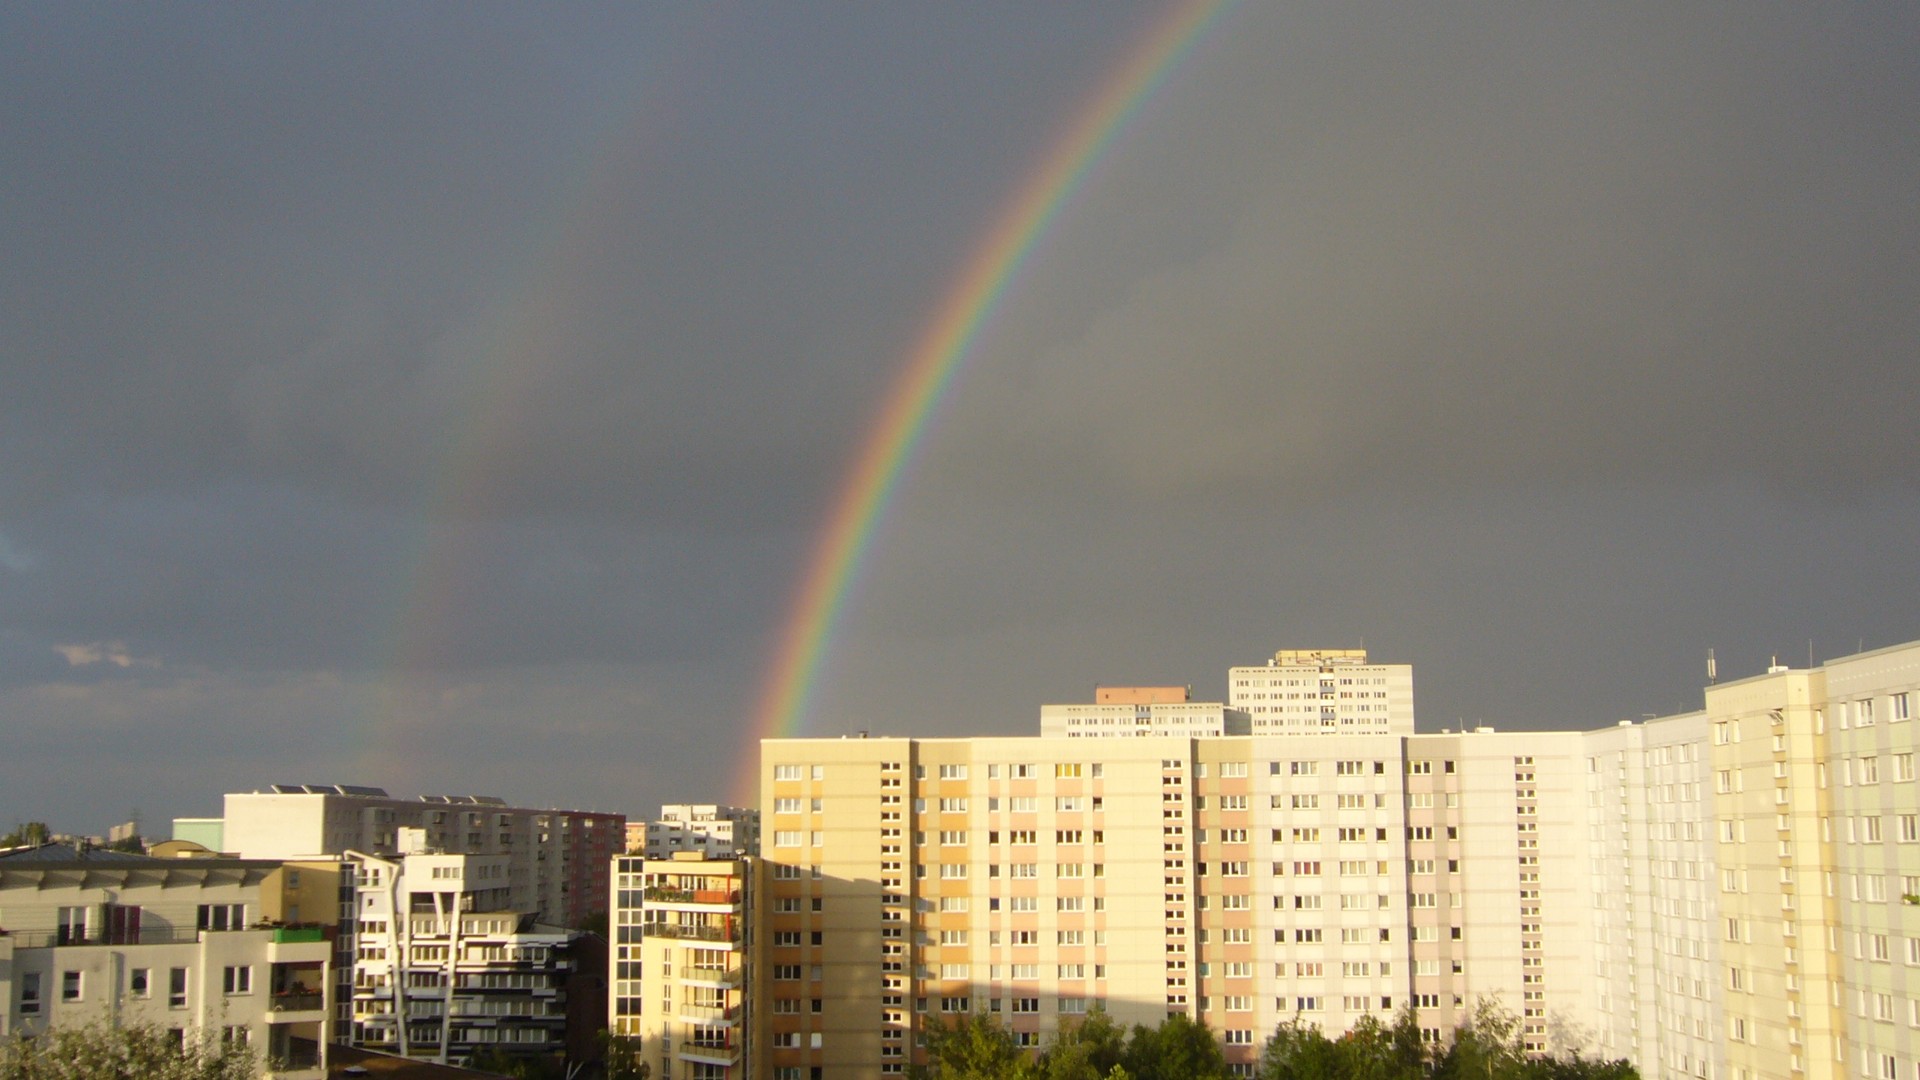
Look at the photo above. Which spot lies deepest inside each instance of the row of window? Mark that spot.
(234, 980)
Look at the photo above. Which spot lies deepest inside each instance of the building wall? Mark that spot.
(680, 955)
(119, 941)
(1875, 825)
(445, 966)
(707, 829)
(558, 859)
(1768, 753)
(1324, 691)
(1181, 719)
(1241, 881)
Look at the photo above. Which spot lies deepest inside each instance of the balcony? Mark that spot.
(661, 894)
(297, 999)
(692, 933)
(709, 1053)
(708, 1014)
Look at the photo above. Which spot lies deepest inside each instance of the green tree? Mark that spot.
(1486, 1047)
(1179, 1049)
(975, 1047)
(31, 834)
(519, 1066)
(140, 1052)
(1298, 1050)
(1371, 1050)
(622, 1056)
(1089, 1050)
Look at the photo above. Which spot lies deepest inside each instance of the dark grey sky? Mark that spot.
(448, 399)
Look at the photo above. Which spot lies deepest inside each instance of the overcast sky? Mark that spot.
(448, 398)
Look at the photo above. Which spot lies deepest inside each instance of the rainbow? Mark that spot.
(936, 359)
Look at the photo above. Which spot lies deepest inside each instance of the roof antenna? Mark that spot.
(1713, 673)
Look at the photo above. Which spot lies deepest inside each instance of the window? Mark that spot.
(29, 993)
(1066, 770)
(177, 988)
(222, 917)
(1903, 767)
(1899, 708)
(236, 980)
(69, 986)
(953, 772)
(953, 806)
(786, 772)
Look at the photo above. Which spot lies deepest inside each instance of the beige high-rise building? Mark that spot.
(1239, 880)
(1731, 893)
(680, 964)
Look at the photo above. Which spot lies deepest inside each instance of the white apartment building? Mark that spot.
(707, 829)
(680, 964)
(182, 944)
(1324, 692)
(446, 965)
(1142, 710)
(556, 859)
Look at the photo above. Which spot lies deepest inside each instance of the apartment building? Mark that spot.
(446, 965)
(707, 829)
(1731, 893)
(1324, 691)
(1874, 887)
(1242, 881)
(1650, 835)
(1142, 710)
(556, 859)
(680, 963)
(191, 945)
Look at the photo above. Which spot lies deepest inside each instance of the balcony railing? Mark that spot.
(708, 1012)
(50, 939)
(696, 933)
(296, 1001)
(722, 1052)
(667, 895)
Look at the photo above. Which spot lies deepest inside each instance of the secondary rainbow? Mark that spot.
(936, 360)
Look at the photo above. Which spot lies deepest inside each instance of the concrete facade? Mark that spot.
(681, 953)
(181, 944)
(1324, 692)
